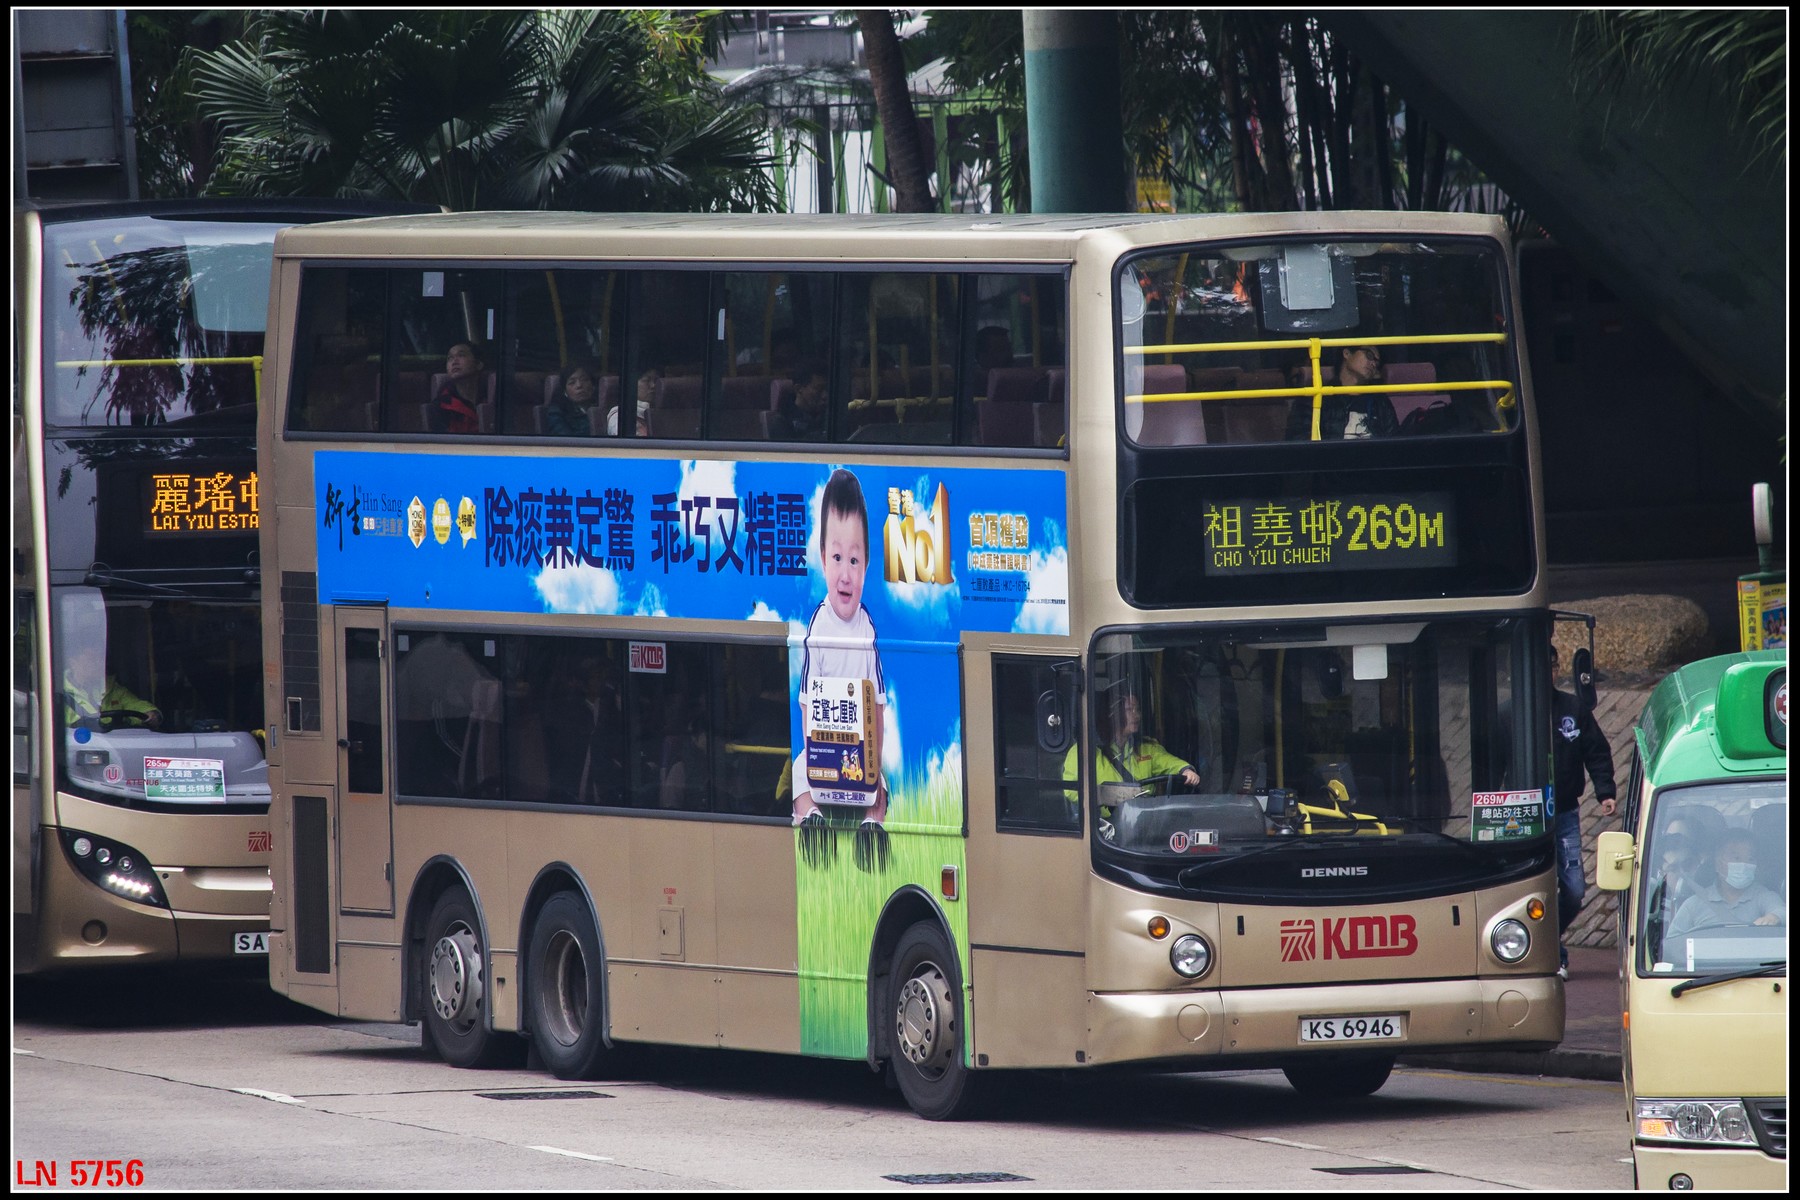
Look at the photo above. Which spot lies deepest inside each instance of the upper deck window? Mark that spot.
(1315, 341)
(971, 358)
(150, 321)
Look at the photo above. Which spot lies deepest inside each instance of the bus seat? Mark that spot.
(1267, 379)
(739, 425)
(1768, 826)
(484, 416)
(1407, 403)
(1014, 385)
(528, 388)
(1172, 423)
(678, 391)
(1208, 379)
(746, 392)
(1162, 378)
(1262, 419)
(1004, 423)
(1048, 423)
(674, 422)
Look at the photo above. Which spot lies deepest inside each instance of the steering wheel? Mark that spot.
(1168, 785)
(138, 720)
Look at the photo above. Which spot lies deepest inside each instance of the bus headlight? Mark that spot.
(1510, 941)
(1695, 1122)
(114, 866)
(1190, 956)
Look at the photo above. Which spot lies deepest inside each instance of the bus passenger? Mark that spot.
(455, 409)
(1735, 897)
(1358, 415)
(646, 396)
(568, 414)
(840, 645)
(801, 414)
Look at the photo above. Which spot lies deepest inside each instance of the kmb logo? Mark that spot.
(1349, 937)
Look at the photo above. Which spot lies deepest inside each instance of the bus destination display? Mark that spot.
(1294, 535)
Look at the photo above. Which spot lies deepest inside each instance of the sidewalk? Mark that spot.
(1590, 1045)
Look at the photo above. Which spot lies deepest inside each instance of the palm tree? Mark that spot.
(468, 109)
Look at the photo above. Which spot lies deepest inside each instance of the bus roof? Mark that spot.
(924, 236)
(299, 208)
(1711, 719)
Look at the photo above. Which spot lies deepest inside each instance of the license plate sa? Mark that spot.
(250, 943)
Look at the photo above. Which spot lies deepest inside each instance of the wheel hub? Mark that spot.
(924, 1026)
(566, 989)
(456, 975)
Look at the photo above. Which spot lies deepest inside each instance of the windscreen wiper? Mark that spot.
(1187, 875)
(1764, 969)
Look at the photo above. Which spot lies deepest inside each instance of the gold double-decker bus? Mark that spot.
(140, 792)
(963, 644)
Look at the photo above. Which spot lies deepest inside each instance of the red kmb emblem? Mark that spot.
(261, 841)
(1349, 937)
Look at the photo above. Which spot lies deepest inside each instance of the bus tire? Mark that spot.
(925, 1025)
(1338, 1078)
(454, 972)
(568, 990)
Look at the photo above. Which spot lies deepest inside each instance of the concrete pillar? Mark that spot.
(1077, 133)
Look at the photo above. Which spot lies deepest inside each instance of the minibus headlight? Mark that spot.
(1695, 1122)
(114, 866)
(1510, 941)
(1190, 956)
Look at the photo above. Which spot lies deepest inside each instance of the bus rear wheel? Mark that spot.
(925, 1008)
(568, 1000)
(455, 986)
(1339, 1079)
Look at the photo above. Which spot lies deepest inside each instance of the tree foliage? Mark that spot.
(563, 109)
(1231, 109)
(1739, 55)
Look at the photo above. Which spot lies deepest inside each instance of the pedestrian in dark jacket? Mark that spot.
(1577, 745)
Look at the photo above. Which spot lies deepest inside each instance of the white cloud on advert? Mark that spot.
(1046, 607)
(578, 589)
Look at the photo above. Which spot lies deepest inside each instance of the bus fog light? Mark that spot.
(82, 847)
(1190, 956)
(1681, 1183)
(1510, 941)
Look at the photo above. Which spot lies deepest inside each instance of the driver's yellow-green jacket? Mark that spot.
(81, 702)
(1144, 760)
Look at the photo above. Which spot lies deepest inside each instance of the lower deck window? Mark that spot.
(602, 722)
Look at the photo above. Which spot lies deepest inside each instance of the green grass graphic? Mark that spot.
(839, 904)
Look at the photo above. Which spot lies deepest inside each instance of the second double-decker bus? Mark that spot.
(957, 644)
(140, 792)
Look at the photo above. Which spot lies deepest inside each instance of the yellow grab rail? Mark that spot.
(1319, 390)
(254, 360)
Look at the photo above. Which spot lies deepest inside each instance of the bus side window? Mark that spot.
(1036, 740)
(337, 383)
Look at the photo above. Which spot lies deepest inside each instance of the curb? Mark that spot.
(1562, 1064)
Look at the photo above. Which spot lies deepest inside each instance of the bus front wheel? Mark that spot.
(455, 985)
(1338, 1079)
(925, 1008)
(567, 989)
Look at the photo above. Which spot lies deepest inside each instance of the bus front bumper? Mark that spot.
(1708, 1170)
(1262, 1026)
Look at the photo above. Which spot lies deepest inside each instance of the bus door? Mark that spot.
(1028, 934)
(365, 840)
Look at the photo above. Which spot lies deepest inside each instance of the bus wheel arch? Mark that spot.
(916, 1010)
(563, 977)
(451, 972)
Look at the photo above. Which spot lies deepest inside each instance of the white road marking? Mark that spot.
(277, 1097)
(570, 1153)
